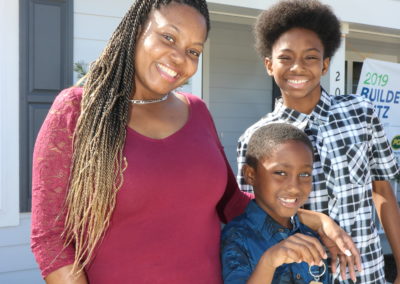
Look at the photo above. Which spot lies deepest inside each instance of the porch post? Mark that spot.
(337, 66)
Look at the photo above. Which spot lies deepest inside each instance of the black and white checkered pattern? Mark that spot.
(351, 150)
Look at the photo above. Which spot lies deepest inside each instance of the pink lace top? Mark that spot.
(166, 224)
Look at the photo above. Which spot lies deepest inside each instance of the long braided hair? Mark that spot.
(98, 163)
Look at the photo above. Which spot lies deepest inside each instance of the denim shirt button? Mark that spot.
(281, 230)
(298, 276)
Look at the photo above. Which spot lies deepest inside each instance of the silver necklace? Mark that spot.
(145, 102)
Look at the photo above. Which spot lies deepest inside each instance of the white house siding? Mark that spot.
(17, 264)
(240, 92)
(94, 22)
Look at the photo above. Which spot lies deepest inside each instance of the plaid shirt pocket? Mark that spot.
(358, 163)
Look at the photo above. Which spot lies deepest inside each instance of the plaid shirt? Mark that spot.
(350, 151)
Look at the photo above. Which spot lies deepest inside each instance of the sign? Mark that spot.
(380, 83)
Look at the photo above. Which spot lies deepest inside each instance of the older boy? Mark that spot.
(353, 159)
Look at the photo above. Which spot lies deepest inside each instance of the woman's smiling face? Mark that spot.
(168, 49)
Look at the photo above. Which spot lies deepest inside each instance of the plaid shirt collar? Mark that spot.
(318, 115)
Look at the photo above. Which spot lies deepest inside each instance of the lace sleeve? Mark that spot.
(50, 174)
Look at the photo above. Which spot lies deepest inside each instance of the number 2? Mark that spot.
(337, 76)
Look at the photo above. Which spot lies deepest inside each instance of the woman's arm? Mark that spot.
(234, 201)
(50, 176)
(335, 239)
(64, 275)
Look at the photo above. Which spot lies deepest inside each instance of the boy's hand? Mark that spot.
(296, 248)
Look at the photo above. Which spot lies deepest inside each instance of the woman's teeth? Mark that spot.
(167, 70)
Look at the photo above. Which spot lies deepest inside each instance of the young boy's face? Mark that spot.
(283, 181)
(297, 64)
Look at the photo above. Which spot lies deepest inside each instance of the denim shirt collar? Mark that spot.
(265, 223)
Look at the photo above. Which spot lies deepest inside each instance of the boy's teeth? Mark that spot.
(288, 200)
(165, 69)
(297, 81)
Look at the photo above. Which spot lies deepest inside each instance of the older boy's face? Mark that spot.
(297, 65)
(283, 181)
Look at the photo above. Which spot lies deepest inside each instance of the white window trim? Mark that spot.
(9, 113)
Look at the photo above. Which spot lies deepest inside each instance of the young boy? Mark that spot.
(267, 243)
(353, 161)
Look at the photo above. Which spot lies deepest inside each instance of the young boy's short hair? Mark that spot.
(265, 140)
(308, 14)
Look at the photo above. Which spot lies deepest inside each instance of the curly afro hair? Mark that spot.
(288, 14)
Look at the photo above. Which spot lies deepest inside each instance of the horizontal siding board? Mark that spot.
(233, 34)
(239, 66)
(233, 95)
(230, 129)
(115, 8)
(101, 30)
(18, 235)
(30, 276)
(232, 110)
(245, 52)
(88, 50)
(15, 258)
(17, 263)
(229, 138)
(231, 124)
(238, 81)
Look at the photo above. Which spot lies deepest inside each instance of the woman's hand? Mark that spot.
(336, 240)
(340, 246)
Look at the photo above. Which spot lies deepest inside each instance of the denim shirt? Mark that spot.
(248, 236)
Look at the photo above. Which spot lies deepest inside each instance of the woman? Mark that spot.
(130, 181)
